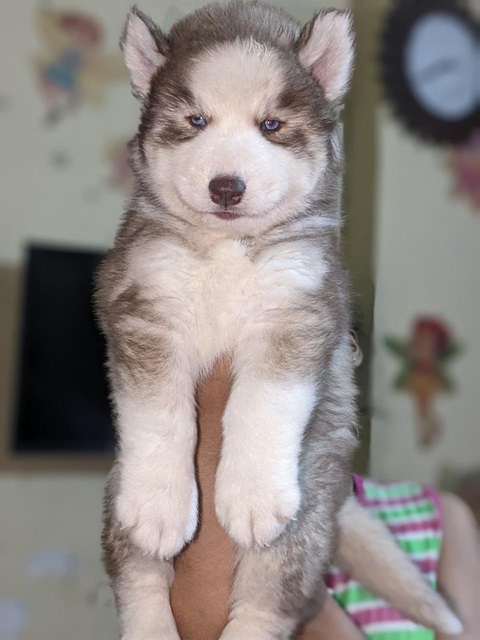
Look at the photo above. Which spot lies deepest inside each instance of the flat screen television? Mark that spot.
(62, 403)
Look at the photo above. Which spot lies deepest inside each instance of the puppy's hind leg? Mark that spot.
(141, 584)
(144, 602)
(278, 589)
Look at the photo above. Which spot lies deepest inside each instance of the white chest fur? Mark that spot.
(212, 298)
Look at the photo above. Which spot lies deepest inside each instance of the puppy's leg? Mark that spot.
(278, 589)
(141, 583)
(143, 600)
(153, 390)
(257, 490)
(257, 487)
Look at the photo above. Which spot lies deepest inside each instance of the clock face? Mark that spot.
(440, 61)
(431, 58)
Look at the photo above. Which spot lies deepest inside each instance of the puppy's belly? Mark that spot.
(204, 570)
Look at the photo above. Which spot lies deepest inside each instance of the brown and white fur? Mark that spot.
(254, 271)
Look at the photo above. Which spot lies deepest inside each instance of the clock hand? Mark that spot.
(438, 68)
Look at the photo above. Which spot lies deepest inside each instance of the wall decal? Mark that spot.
(50, 562)
(60, 159)
(13, 617)
(100, 596)
(92, 194)
(424, 356)
(73, 69)
(465, 165)
(117, 155)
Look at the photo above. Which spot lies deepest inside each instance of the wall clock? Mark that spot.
(430, 58)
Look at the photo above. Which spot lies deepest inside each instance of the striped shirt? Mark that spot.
(412, 513)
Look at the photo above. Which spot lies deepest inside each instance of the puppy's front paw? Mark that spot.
(254, 509)
(160, 521)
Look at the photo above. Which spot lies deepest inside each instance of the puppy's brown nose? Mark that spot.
(226, 190)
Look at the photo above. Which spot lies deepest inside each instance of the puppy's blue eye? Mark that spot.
(271, 125)
(198, 121)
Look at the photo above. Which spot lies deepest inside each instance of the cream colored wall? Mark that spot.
(50, 558)
(59, 514)
(37, 202)
(427, 262)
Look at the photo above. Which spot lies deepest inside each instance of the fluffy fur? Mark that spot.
(189, 280)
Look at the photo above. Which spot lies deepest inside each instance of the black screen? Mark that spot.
(62, 399)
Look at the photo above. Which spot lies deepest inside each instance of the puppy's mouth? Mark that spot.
(227, 215)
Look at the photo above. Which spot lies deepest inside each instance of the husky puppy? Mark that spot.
(230, 244)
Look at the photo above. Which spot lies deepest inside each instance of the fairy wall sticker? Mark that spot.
(73, 68)
(424, 358)
(465, 165)
(117, 155)
(119, 175)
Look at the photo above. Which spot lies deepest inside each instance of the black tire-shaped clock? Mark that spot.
(430, 59)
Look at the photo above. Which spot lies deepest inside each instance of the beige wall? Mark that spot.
(37, 200)
(53, 515)
(50, 558)
(427, 262)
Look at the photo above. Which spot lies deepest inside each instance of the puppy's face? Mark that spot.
(237, 138)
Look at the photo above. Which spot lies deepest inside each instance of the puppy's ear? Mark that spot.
(326, 50)
(145, 50)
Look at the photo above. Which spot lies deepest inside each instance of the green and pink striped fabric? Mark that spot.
(412, 513)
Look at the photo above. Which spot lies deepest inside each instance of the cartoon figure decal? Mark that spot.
(118, 157)
(424, 358)
(465, 166)
(73, 68)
